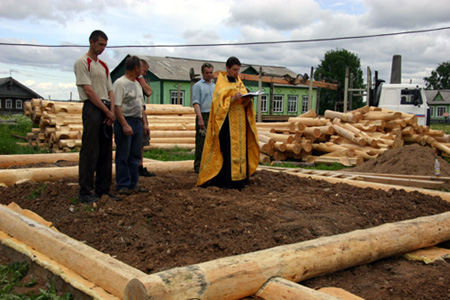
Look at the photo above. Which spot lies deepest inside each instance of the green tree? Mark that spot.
(332, 68)
(439, 79)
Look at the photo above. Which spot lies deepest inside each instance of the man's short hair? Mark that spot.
(233, 61)
(132, 62)
(96, 34)
(144, 63)
(207, 65)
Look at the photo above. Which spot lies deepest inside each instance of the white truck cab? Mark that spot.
(408, 98)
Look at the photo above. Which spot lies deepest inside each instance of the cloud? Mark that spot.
(406, 14)
(280, 15)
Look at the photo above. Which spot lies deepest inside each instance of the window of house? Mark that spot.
(292, 103)
(8, 104)
(277, 103)
(264, 105)
(305, 104)
(432, 111)
(440, 110)
(18, 104)
(174, 97)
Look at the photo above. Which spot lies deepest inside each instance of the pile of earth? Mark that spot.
(408, 160)
(178, 224)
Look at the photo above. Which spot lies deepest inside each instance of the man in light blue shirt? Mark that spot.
(202, 93)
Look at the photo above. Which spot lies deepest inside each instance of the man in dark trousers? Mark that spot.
(95, 89)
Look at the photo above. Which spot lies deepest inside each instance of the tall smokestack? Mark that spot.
(396, 71)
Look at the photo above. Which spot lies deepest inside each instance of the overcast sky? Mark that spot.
(49, 71)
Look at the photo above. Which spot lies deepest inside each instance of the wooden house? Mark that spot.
(13, 95)
(171, 80)
(439, 102)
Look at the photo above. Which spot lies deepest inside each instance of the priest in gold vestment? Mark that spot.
(231, 150)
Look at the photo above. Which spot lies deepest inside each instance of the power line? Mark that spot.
(239, 44)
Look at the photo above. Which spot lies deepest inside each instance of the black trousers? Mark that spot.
(95, 164)
(199, 141)
(223, 179)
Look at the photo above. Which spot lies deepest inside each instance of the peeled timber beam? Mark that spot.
(105, 271)
(12, 176)
(242, 275)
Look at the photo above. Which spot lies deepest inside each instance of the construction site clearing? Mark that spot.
(379, 230)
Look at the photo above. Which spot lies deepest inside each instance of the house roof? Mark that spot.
(431, 95)
(12, 81)
(173, 68)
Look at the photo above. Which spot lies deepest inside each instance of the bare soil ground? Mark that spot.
(178, 224)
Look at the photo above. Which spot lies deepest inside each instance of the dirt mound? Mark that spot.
(408, 160)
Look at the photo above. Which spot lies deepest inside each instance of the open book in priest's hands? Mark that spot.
(253, 94)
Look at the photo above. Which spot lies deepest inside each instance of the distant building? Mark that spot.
(171, 80)
(439, 102)
(13, 95)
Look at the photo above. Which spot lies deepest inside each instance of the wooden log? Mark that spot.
(346, 117)
(266, 139)
(358, 133)
(441, 147)
(105, 271)
(280, 147)
(295, 148)
(223, 278)
(264, 159)
(267, 149)
(172, 140)
(362, 127)
(9, 177)
(309, 114)
(278, 126)
(385, 116)
(283, 138)
(310, 122)
(306, 145)
(170, 119)
(169, 146)
(168, 109)
(435, 133)
(312, 132)
(279, 156)
(69, 143)
(27, 159)
(68, 107)
(280, 288)
(171, 127)
(172, 133)
(348, 135)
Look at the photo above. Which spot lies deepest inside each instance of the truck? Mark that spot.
(407, 98)
(397, 96)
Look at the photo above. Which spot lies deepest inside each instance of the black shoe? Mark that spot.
(145, 173)
(114, 197)
(87, 198)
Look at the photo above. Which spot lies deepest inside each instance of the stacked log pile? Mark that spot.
(346, 138)
(60, 125)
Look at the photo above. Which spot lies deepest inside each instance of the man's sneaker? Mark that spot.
(87, 198)
(124, 191)
(145, 173)
(138, 190)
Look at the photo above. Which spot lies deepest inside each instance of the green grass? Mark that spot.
(440, 126)
(37, 192)
(175, 154)
(11, 277)
(8, 143)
